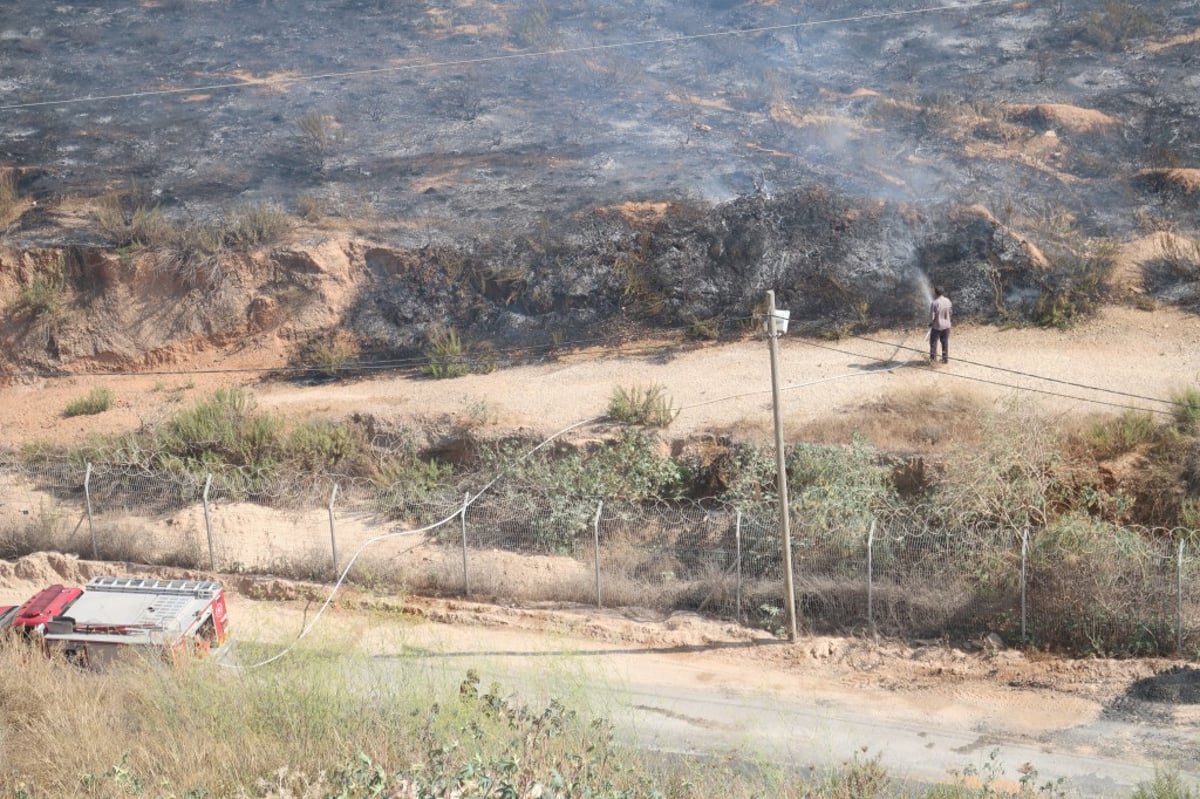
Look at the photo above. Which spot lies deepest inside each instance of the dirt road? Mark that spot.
(1125, 357)
(684, 684)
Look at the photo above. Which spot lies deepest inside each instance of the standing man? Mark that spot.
(939, 325)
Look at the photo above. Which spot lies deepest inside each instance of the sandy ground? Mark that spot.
(1125, 358)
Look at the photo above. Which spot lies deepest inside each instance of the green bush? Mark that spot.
(446, 354)
(1187, 409)
(316, 446)
(560, 490)
(631, 467)
(44, 296)
(1117, 435)
(195, 250)
(222, 430)
(649, 406)
(1165, 785)
(98, 400)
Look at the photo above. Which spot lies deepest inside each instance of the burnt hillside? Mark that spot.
(514, 170)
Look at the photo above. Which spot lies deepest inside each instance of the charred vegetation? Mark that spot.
(453, 168)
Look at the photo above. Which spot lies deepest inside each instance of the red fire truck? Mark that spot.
(91, 625)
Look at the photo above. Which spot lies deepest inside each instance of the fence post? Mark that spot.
(333, 530)
(212, 556)
(737, 539)
(1179, 606)
(466, 579)
(871, 578)
(596, 539)
(87, 496)
(1024, 566)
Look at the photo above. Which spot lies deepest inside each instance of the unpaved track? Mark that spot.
(685, 684)
(1116, 360)
(682, 683)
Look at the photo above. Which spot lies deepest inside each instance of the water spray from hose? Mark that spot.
(926, 289)
(923, 284)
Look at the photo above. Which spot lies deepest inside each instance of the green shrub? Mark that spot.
(194, 249)
(316, 446)
(45, 295)
(632, 467)
(703, 329)
(222, 430)
(1187, 409)
(1117, 435)
(649, 406)
(446, 354)
(838, 489)
(558, 491)
(1165, 785)
(98, 400)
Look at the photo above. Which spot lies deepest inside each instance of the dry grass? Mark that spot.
(1068, 118)
(9, 195)
(1183, 181)
(905, 420)
(193, 729)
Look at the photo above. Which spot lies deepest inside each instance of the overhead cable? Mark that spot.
(284, 80)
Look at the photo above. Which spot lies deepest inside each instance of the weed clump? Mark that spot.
(194, 250)
(98, 400)
(649, 406)
(1114, 25)
(1187, 410)
(8, 191)
(46, 294)
(448, 355)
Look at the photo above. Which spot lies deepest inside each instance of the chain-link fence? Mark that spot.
(1087, 586)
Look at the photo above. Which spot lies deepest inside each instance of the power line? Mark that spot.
(1014, 386)
(1040, 377)
(345, 572)
(540, 352)
(461, 62)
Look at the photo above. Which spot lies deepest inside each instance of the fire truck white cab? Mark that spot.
(91, 625)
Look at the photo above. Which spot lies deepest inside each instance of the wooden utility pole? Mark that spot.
(785, 531)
